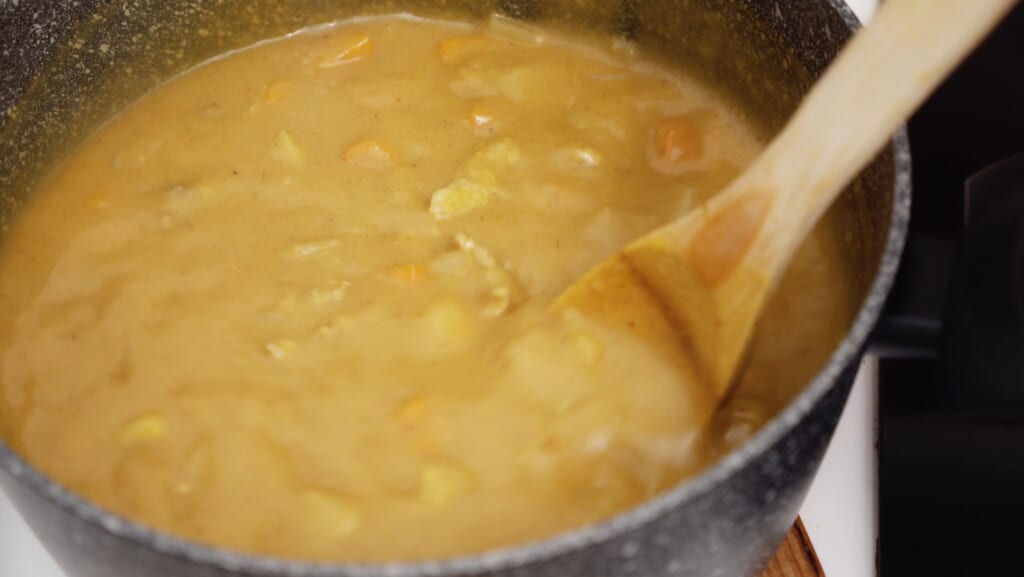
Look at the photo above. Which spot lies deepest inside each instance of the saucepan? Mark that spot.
(69, 66)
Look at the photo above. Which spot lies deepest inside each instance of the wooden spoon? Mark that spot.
(703, 280)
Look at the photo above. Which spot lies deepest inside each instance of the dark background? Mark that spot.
(951, 428)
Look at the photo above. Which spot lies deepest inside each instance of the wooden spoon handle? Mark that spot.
(879, 80)
(705, 277)
(713, 269)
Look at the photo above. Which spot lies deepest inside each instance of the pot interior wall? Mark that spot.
(75, 66)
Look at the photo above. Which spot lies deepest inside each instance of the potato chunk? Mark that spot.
(147, 428)
(287, 150)
(459, 198)
(440, 483)
(502, 154)
(476, 182)
(450, 325)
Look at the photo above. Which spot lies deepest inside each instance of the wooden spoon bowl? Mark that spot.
(696, 287)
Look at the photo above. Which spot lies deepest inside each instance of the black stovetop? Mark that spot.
(951, 380)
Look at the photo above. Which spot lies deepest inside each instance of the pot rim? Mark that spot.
(554, 547)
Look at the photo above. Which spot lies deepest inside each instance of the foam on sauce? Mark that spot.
(293, 302)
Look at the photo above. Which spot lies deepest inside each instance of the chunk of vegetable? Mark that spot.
(477, 181)
(545, 351)
(459, 198)
(287, 150)
(502, 154)
(410, 274)
(370, 154)
(440, 483)
(450, 325)
(678, 140)
(147, 428)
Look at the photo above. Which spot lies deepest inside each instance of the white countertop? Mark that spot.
(840, 512)
(21, 555)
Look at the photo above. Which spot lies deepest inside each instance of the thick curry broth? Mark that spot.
(293, 302)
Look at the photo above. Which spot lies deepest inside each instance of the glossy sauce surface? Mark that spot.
(293, 302)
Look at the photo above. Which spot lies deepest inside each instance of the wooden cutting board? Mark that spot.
(796, 556)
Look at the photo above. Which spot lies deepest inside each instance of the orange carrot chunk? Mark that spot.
(410, 274)
(369, 154)
(678, 140)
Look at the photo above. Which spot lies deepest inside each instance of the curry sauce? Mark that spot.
(294, 302)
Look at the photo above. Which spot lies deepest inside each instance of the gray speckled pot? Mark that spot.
(56, 84)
